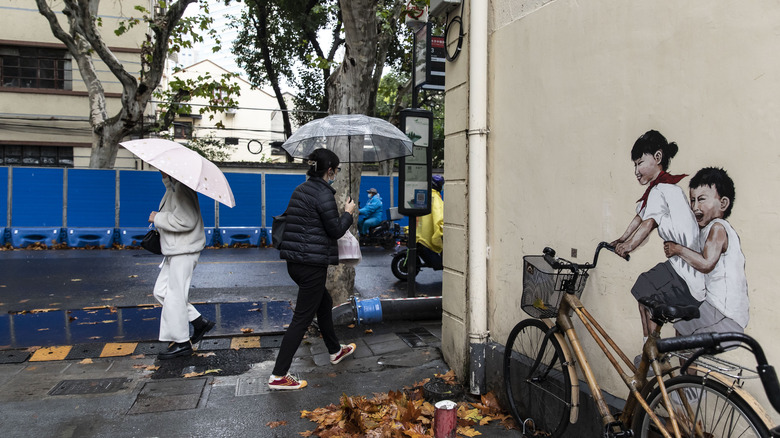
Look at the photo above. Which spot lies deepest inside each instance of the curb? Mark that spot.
(125, 349)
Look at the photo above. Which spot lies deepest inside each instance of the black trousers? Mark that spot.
(313, 299)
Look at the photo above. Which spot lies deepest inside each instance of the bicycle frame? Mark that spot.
(678, 415)
(634, 382)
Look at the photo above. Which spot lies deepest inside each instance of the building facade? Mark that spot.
(44, 104)
(247, 130)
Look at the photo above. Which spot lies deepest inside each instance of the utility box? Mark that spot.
(442, 7)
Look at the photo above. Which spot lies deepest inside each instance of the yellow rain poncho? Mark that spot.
(430, 228)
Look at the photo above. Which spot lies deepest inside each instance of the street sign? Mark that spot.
(429, 59)
(414, 175)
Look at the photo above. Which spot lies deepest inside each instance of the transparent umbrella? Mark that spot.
(355, 138)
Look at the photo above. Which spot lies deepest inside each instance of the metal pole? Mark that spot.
(411, 242)
(411, 258)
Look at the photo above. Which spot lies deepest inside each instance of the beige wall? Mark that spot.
(571, 87)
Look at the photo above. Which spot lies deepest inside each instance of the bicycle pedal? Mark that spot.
(617, 430)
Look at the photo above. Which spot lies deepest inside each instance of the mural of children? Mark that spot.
(663, 206)
(726, 308)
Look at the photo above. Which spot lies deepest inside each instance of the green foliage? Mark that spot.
(191, 30)
(289, 33)
(387, 98)
(220, 94)
(278, 44)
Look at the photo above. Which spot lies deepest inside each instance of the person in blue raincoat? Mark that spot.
(371, 214)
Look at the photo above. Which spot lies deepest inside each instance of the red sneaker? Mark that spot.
(345, 351)
(286, 382)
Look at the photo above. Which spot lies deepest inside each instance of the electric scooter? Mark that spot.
(386, 234)
(425, 259)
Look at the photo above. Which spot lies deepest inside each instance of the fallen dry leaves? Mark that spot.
(400, 414)
(196, 374)
(146, 367)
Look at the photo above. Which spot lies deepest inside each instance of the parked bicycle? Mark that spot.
(543, 352)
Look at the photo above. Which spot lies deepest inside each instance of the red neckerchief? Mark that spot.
(663, 178)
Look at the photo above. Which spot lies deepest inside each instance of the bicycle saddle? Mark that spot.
(662, 313)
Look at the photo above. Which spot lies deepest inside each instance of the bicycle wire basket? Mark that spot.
(544, 287)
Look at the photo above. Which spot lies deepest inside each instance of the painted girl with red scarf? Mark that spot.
(664, 206)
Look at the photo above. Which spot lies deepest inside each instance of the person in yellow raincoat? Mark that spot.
(430, 228)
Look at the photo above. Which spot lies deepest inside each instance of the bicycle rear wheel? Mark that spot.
(710, 410)
(539, 391)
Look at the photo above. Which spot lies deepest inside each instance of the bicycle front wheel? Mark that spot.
(708, 410)
(536, 378)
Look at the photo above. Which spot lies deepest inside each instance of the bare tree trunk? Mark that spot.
(82, 39)
(349, 89)
(260, 21)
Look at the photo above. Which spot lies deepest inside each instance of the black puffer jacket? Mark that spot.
(313, 225)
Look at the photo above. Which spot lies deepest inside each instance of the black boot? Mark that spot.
(176, 349)
(202, 326)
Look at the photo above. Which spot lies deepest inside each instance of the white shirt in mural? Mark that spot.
(668, 206)
(727, 288)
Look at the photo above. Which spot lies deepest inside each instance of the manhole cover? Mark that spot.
(411, 339)
(168, 395)
(89, 386)
(252, 386)
(424, 334)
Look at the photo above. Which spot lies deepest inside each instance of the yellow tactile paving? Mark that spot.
(114, 349)
(50, 353)
(245, 342)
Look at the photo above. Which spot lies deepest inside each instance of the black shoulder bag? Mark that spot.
(151, 241)
(277, 229)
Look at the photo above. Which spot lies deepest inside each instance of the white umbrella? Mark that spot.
(185, 166)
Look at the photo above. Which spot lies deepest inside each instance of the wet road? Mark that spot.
(77, 279)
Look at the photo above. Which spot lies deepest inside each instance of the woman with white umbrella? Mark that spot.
(182, 238)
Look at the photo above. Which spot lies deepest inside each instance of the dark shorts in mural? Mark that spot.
(664, 285)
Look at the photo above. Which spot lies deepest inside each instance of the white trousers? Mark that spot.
(172, 290)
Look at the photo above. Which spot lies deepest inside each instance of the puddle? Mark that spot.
(134, 324)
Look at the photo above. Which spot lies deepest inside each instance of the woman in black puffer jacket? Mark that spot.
(309, 245)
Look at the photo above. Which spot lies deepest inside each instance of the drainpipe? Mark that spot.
(477, 190)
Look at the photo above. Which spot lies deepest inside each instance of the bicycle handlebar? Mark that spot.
(560, 263)
(712, 343)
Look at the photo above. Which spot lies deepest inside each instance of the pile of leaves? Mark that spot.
(402, 414)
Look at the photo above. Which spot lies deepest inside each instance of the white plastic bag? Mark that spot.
(349, 250)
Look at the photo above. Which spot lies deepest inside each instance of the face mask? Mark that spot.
(370, 195)
(331, 181)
